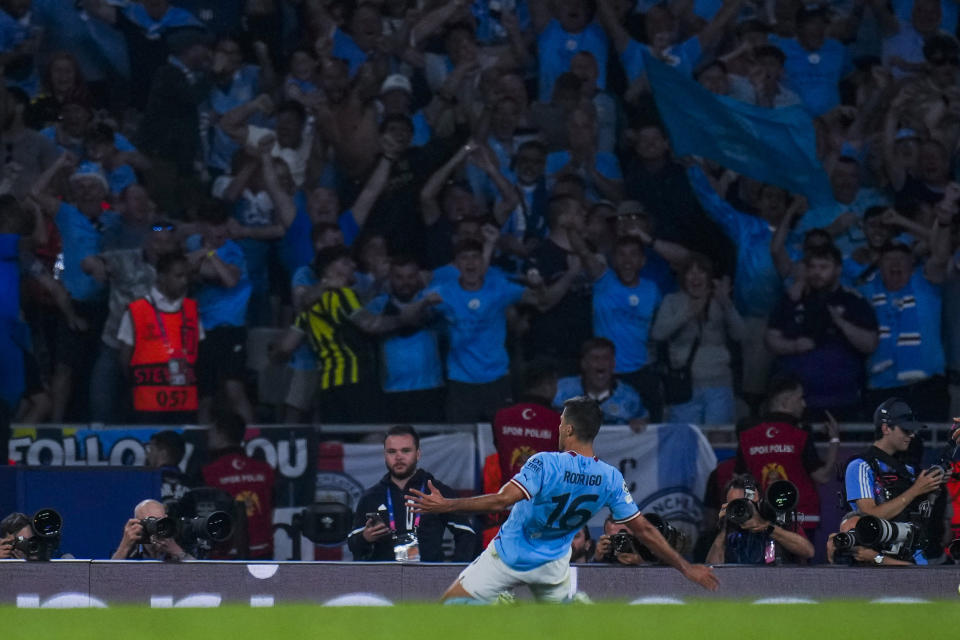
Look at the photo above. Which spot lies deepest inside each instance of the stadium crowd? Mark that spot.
(396, 210)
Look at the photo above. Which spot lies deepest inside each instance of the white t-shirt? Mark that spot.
(296, 159)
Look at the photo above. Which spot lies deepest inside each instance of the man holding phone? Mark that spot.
(386, 529)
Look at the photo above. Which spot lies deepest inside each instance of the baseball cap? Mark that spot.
(396, 81)
(895, 412)
(90, 170)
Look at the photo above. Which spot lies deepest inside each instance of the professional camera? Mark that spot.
(158, 528)
(47, 525)
(894, 538)
(846, 540)
(674, 537)
(324, 522)
(778, 501)
(204, 516)
(213, 527)
(621, 542)
(843, 544)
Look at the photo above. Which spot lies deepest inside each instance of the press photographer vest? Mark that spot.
(890, 483)
(777, 448)
(154, 347)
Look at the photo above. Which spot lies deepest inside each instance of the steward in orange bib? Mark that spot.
(160, 334)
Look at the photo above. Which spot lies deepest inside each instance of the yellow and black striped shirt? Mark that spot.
(338, 346)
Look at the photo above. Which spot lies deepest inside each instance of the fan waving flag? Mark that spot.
(775, 146)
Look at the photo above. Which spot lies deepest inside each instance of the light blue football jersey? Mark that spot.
(563, 490)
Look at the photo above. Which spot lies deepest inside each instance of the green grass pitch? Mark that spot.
(606, 621)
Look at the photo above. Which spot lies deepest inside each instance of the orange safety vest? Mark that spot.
(154, 347)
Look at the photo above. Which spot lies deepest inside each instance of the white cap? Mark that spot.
(396, 81)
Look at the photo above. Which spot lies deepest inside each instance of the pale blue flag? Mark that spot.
(775, 146)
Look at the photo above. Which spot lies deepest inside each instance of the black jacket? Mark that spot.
(430, 534)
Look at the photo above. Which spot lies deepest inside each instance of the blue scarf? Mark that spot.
(898, 359)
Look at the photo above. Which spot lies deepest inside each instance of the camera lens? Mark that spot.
(782, 496)
(47, 523)
(872, 530)
(218, 526)
(844, 541)
(739, 511)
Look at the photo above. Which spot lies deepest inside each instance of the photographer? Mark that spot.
(879, 484)
(15, 525)
(612, 546)
(137, 545)
(754, 541)
(858, 554)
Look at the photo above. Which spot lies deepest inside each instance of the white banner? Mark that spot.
(666, 469)
(450, 458)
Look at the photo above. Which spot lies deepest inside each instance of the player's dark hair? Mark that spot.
(231, 426)
(172, 443)
(584, 415)
(13, 523)
(403, 430)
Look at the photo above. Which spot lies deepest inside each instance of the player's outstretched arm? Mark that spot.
(653, 540)
(434, 502)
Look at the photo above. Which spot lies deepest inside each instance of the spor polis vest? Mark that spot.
(152, 354)
(521, 431)
(777, 448)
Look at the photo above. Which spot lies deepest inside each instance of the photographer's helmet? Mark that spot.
(895, 412)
